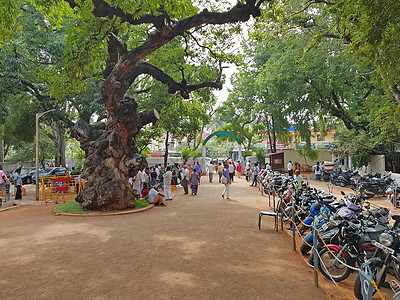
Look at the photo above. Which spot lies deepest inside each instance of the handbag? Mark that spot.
(224, 180)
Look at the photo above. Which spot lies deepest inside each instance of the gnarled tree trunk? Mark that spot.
(111, 158)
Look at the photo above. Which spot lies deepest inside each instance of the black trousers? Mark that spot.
(231, 176)
(18, 194)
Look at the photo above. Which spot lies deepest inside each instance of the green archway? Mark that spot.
(221, 134)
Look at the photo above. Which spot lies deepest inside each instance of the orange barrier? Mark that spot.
(61, 188)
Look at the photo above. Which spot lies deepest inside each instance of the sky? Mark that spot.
(222, 95)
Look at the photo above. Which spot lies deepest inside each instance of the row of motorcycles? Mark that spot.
(370, 184)
(350, 231)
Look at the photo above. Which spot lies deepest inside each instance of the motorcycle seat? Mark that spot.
(327, 201)
(396, 217)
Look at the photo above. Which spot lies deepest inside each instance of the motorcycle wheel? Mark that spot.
(342, 184)
(303, 229)
(338, 271)
(311, 258)
(357, 288)
(304, 248)
(357, 284)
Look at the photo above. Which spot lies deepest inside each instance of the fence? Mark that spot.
(61, 188)
(279, 208)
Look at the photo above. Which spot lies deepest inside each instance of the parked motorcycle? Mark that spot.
(385, 260)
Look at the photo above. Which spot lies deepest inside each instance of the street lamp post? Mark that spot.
(38, 115)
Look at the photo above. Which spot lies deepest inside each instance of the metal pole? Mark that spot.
(294, 226)
(316, 260)
(269, 196)
(2, 152)
(37, 157)
(38, 115)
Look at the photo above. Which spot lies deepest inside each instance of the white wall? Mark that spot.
(396, 177)
(294, 156)
(377, 164)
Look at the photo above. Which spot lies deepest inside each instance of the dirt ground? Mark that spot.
(198, 247)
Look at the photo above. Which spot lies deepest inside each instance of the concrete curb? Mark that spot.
(114, 213)
(7, 208)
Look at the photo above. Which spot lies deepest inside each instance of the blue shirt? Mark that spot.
(18, 179)
(225, 173)
(198, 169)
(256, 169)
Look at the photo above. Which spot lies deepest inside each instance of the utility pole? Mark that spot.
(38, 115)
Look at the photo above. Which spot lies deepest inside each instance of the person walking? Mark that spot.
(290, 168)
(231, 169)
(197, 168)
(248, 169)
(256, 170)
(194, 182)
(226, 180)
(185, 179)
(220, 170)
(18, 184)
(3, 185)
(210, 171)
(167, 184)
(239, 169)
(318, 171)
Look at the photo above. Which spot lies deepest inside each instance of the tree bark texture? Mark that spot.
(166, 150)
(111, 158)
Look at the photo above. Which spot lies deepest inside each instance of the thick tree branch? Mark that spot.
(173, 86)
(312, 2)
(115, 86)
(29, 87)
(146, 117)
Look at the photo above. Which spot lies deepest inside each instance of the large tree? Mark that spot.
(124, 35)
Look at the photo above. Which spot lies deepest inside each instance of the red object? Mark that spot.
(62, 189)
(145, 192)
(62, 179)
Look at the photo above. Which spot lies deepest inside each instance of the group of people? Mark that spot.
(151, 178)
(5, 185)
(318, 168)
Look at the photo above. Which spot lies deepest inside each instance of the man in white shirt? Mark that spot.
(137, 183)
(210, 170)
(248, 170)
(185, 180)
(3, 185)
(290, 168)
(231, 169)
(318, 171)
(167, 184)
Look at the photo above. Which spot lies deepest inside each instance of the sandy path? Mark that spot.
(198, 247)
